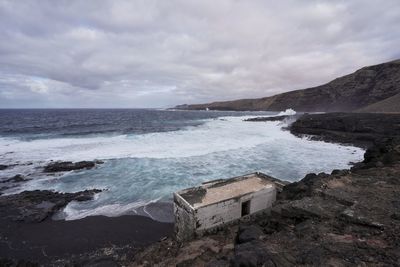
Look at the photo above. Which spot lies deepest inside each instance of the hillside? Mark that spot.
(389, 105)
(360, 89)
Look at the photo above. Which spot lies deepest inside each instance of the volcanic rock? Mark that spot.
(62, 166)
(36, 206)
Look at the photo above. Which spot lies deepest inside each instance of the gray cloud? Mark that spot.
(162, 53)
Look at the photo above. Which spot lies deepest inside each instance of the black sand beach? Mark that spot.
(48, 240)
(28, 232)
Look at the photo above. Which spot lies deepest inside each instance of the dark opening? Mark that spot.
(246, 208)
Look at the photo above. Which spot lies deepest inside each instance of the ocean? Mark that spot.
(148, 154)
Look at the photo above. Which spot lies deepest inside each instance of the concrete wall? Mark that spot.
(185, 222)
(216, 215)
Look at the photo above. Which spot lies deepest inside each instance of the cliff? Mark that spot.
(361, 89)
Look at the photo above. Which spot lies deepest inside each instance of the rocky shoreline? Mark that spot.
(30, 237)
(346, 218)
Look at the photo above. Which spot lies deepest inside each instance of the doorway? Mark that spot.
(245, 208)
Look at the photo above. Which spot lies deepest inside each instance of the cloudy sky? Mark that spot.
(161, 53)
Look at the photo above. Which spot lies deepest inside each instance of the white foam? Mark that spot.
(213, 136)
(288, 112)
(73, 213)
(148, 167)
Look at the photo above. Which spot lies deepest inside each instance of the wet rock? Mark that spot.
(16, 179)
(62, 166)
(36, 206)
(3, 167)
(248, 233)
(384, 152)
(274, 118)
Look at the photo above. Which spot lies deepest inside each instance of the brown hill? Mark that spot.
(360, 89)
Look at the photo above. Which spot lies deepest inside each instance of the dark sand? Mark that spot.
(47, 240)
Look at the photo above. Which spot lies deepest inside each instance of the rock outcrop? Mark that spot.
(362, 129)
(355, 91)
(36, 206)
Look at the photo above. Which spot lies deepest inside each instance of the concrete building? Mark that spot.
(220, 202)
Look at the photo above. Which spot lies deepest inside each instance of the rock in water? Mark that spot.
(15, 179)
(3, 167)
(62, 166)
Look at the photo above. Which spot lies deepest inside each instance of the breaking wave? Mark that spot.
(141, 170)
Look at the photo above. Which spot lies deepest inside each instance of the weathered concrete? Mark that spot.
(218, 203)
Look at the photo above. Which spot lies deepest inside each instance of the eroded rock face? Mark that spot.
(62, 166)
(36, 206)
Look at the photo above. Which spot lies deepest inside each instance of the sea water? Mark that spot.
(149, 154)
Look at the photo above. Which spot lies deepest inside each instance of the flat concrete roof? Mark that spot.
(224, 189)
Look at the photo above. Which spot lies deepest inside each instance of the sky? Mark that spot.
(157, 54)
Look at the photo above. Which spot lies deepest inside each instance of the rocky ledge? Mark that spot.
(361, 129)
(346, 218)
(36, 206)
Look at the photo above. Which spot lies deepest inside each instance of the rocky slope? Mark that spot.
(346, 218)
(388, 105)
(360, 89)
